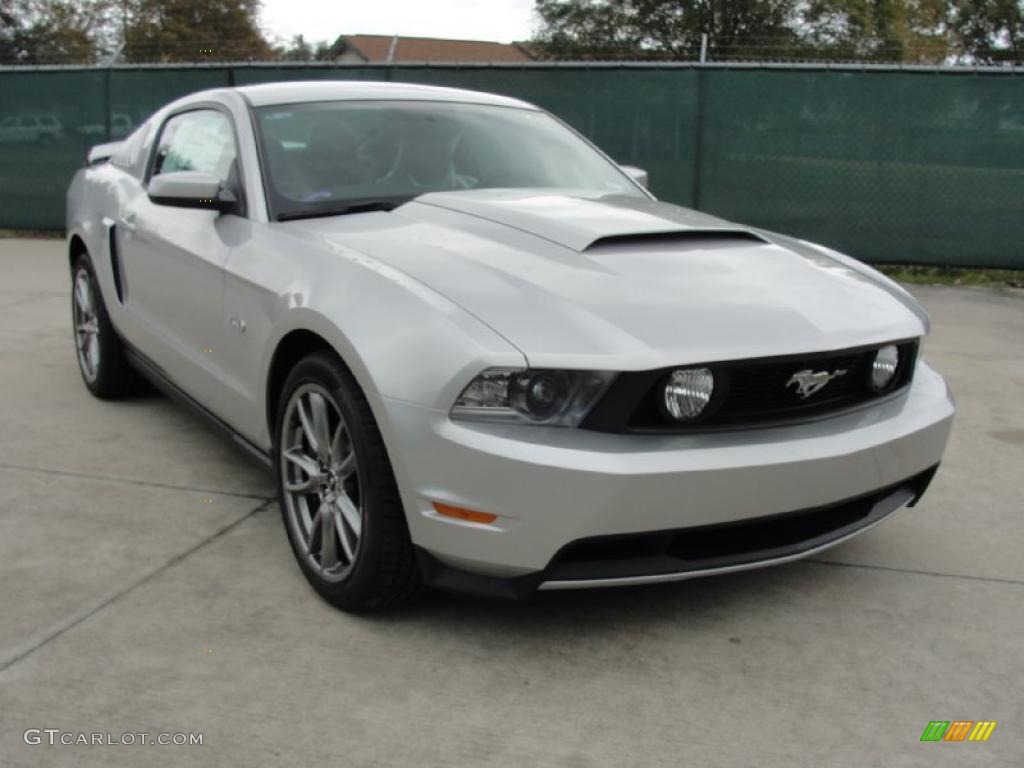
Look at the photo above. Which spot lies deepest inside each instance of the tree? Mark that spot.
(989, 31)
(51, 31)
(10, 30)
(669, 29)
(300, 50)
(193, 30)
(881, 30)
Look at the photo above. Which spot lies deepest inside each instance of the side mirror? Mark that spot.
(639, 175)
(191, 189)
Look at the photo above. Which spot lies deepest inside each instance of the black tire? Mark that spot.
(114, 376)
(383, 572)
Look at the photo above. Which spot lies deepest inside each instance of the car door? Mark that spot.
(174, 257)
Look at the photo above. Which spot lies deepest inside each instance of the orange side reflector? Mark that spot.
(464, 514)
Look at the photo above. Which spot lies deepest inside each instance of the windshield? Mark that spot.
(321, 157)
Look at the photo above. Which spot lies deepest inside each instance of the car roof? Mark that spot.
(268, 94)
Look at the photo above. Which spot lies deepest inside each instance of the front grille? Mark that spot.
(749, 392)
(726, 545)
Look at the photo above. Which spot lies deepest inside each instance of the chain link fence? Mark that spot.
(889, 164)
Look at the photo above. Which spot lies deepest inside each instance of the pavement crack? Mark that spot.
(920, 572)
(77, 619)
(130, 481)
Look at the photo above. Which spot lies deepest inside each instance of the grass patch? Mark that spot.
(907, 273)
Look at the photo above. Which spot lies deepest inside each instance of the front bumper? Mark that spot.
(554, 488)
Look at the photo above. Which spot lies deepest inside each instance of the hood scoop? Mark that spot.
(582, 223)
(684, 239)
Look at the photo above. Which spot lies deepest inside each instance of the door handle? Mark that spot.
(128, 222)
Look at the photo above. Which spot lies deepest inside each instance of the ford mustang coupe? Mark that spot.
(479, 355)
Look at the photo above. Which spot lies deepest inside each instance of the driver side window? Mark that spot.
(200, 140)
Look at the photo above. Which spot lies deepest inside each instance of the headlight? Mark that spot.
(688, 392)
(883, 369)
(550, 397)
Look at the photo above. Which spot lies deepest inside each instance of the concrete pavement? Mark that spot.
(146, 585)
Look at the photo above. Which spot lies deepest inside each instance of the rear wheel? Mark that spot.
(337, 491)
(101, 360)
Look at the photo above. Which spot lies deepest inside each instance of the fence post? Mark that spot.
(107, 116)
(698, 139)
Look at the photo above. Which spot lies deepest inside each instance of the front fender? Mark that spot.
(401, 340)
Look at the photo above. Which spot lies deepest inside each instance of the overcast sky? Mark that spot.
(501, 20)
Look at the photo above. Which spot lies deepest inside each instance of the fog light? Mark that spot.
(688, 392)
(883, 370)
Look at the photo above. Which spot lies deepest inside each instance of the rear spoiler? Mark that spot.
(102, 152)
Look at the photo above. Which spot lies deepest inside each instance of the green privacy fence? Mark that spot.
(889, 165)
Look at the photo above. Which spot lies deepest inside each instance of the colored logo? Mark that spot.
(958, 730)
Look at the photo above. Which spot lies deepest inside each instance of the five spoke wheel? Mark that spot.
(86, 325)
(321, 483)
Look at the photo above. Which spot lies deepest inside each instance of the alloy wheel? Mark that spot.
(320, 482)
(87, 329)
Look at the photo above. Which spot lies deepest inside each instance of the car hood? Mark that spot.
(625, 283)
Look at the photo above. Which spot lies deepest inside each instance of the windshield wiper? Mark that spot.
(359, 206)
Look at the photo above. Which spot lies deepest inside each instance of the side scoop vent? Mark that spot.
(684, 238)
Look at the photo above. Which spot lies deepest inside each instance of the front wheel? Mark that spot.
(101, 360)
(337, 491)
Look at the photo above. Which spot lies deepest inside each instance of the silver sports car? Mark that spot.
(479, 355)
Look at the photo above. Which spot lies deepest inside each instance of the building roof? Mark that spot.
(379, 48)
